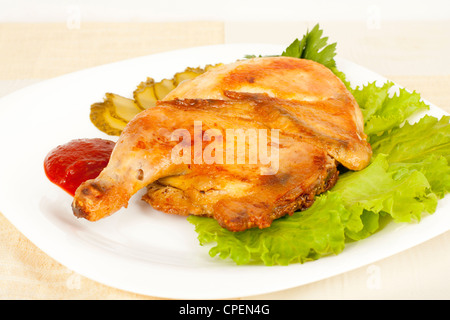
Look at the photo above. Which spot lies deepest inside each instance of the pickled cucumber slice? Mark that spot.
(212, 66)
(112, 115)
(163, 87)
(149, 91)
(121, 108)
(189, 73)
(101, 117)
(144, 95)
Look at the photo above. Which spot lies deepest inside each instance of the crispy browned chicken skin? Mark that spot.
(320, 125)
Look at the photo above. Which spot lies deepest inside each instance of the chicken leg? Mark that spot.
(316, 120)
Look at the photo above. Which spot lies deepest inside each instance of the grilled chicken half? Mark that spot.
(311, 124)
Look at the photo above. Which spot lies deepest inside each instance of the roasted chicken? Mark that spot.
(310, 121)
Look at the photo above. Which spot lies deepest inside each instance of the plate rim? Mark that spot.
(45, 246)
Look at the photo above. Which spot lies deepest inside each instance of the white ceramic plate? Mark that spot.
(139, 249)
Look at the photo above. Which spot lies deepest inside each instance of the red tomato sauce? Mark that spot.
(71, 164)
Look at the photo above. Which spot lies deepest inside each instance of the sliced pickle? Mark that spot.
(112, 115)
(189, 73)
(212, 66)
(144, 95)
(101, 117)
(163, 87)
(122, 108)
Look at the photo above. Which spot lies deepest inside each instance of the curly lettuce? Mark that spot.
(408, 174)
(383, 111)
(303, 236)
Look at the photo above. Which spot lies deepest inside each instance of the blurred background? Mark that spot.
(41, 39)
(121, 29)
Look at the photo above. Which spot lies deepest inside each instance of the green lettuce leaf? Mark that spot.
(352, 210)
(378, 190)
(306, 235)
(314, 46)
(402, 143)
(431, 156)
(383, 111)
(371, 97)
(408, 173)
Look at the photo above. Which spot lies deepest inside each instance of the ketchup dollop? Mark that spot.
(70, 164)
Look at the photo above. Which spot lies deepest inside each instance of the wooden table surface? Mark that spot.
(413, 54)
